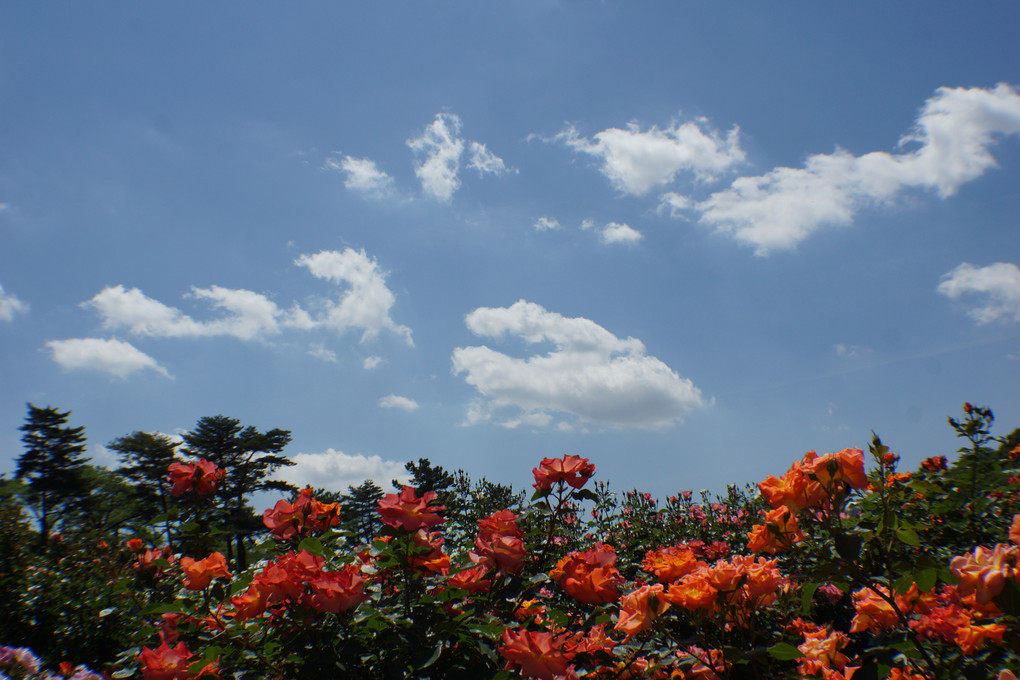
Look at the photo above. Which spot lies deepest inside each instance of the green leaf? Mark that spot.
(436, 653)
(926, 579)
(785, 651)
(807, 595)
(124, 673)
(189, 527)
(106, 612)
(908, 536)
(903, 583)
(312, 545)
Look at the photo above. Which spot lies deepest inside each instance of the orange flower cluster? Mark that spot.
(299, 579)
(200, 477)
(810, 482)
(935, 463)
(408, 512)
(741, 584)
(200, 573)
(952, 615)
(172, 663)
(590, 576)
(499, 545)
(146, 562)
(428, 554)
(303, 516)
(779, 533)
(669, 564)
(549, 655)
(822, 651)
(571, 470)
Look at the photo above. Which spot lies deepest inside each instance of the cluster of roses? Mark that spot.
(305, 516)
(298, 579)
(200, 477)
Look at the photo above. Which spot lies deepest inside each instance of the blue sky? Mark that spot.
(690, 241)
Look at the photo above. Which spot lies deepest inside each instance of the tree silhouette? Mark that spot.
(248, 457)
(144, 461)
(52, 466)
(359, 510)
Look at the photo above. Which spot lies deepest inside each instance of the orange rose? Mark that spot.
(640, 608)
(199, 573)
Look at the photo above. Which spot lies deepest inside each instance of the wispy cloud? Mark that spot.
(439, 150)
(546, 223)
(395, 401)
(10, 305)
(998, 284)
(953, 135)
(636, 161)
(591, 374)
(361, 174)
(371, 362)
(111, 356)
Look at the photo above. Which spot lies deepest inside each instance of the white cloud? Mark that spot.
(484, 161)
(109, 356)
(538, 419)
(851, 351)
(439, 151)
(10, 305)
(615, 232)
(954, 133)
(998, 283)
(587, 223)
(361, 174)
(335, 471)
(441, 147)
(371, 362)
(674, 204)
(249, 315)
(394, 401)
(590, 374)
(366, 303)
(546, 223)
(637, 161)
(320, 352)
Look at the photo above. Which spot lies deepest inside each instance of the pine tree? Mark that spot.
(145, 459)
(249, 458)
(52, 466)
(359, 510)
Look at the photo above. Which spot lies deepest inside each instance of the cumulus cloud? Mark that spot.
(248, 315)
(439, 151)
(394, 401)
(636, 161)
(951, 143)
(335, 471)
(998, 284)
(545, 223)
(371, 362)
(363, 306)
(10, 305)
(590, 374)
(361, 174)
(366, 303)
(109, 356)
(615, 232)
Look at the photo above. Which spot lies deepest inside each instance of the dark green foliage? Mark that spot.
(359, 510)
(52, 466)
(249, 458)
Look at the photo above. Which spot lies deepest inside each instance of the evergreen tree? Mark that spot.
(427, 477)
(248, 457)
(145, 459)
(52, 466)
(359, 510)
